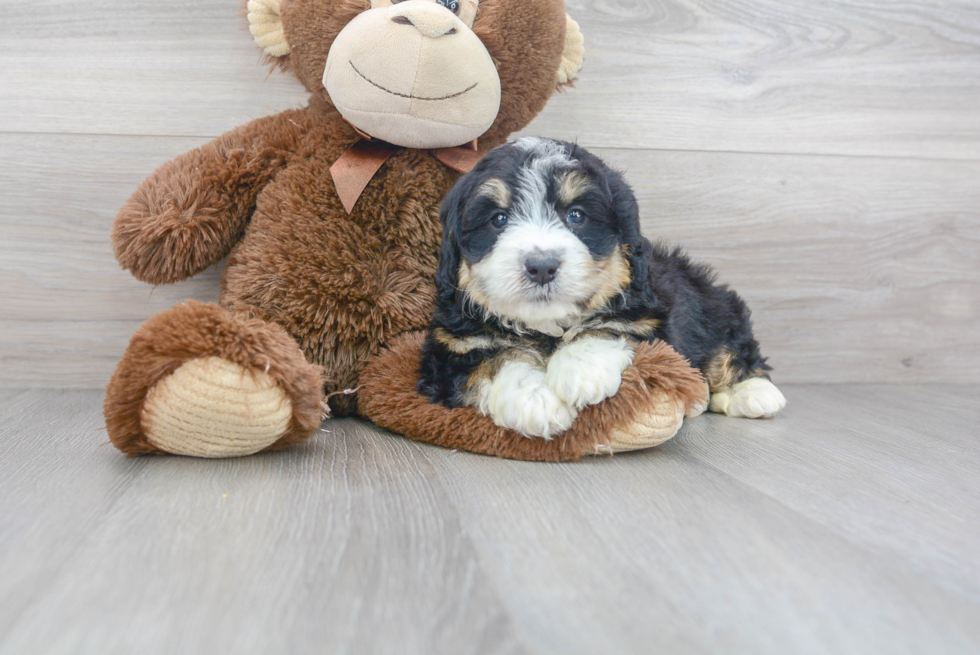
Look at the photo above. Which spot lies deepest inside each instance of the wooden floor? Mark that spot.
(849, 524)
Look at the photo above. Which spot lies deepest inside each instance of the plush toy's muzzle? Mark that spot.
(413, 74)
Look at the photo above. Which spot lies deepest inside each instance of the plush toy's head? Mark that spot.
(425, 73)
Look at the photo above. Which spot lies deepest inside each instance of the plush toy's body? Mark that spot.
(311, 290)
(338, 284)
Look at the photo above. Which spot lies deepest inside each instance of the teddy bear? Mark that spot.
(328, 217)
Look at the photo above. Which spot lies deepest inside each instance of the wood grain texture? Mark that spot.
(788, 76)
(906, 461)
(344, 546)
(857, 269)
(829, 529)
(181, 67)
(725, 538)
(59, 195)
(61, 354)
(874, 78)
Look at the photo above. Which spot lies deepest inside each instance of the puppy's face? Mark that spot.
(541, 232)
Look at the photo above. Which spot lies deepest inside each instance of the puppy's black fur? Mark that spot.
(704, 321)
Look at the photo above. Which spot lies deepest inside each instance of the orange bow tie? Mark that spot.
(357, 166)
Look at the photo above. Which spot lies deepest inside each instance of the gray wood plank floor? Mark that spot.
(849, 524)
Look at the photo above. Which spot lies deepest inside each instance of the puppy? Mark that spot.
(545, 287)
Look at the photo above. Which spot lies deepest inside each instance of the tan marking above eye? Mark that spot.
(497, 191)
(572, 185)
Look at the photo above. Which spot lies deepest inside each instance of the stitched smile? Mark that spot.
(405, 95)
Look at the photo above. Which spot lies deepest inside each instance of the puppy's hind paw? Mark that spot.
(752, 398)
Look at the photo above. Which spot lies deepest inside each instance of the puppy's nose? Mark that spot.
(429, 18)
(542, 269)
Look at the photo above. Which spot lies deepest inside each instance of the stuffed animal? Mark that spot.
(328, 216)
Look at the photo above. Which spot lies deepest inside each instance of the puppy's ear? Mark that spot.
(628, 216)
(451, 215)
(625, 206)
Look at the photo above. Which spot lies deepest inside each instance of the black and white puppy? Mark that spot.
(546, 285)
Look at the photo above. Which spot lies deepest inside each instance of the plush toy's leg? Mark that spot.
(656, 392)
(201, 380)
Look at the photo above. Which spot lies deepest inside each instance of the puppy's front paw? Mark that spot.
(519, 399)
(588, 371)
(752, 398)
(539, 413)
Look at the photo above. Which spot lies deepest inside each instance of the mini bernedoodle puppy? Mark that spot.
(546, 285)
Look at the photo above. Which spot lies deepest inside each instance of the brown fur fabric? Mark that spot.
(388, 398)
(194, 330)
(190, 212)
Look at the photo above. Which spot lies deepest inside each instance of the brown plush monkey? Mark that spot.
(329, 218)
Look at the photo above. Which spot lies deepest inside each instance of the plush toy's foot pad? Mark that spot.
(200, 380)
(211, 407)
(657, 390)
(657, 424)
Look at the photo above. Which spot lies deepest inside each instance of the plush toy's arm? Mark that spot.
(190, 212)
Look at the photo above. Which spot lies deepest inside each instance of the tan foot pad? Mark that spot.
(211, 407)
(651, 428)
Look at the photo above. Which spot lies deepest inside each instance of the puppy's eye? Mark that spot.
(451, 5)
(575, 217)
(499, 221)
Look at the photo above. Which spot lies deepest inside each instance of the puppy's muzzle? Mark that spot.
(542, 268)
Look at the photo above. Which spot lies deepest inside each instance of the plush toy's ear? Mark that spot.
(627, 212)
(574, 53)
(265, 24)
